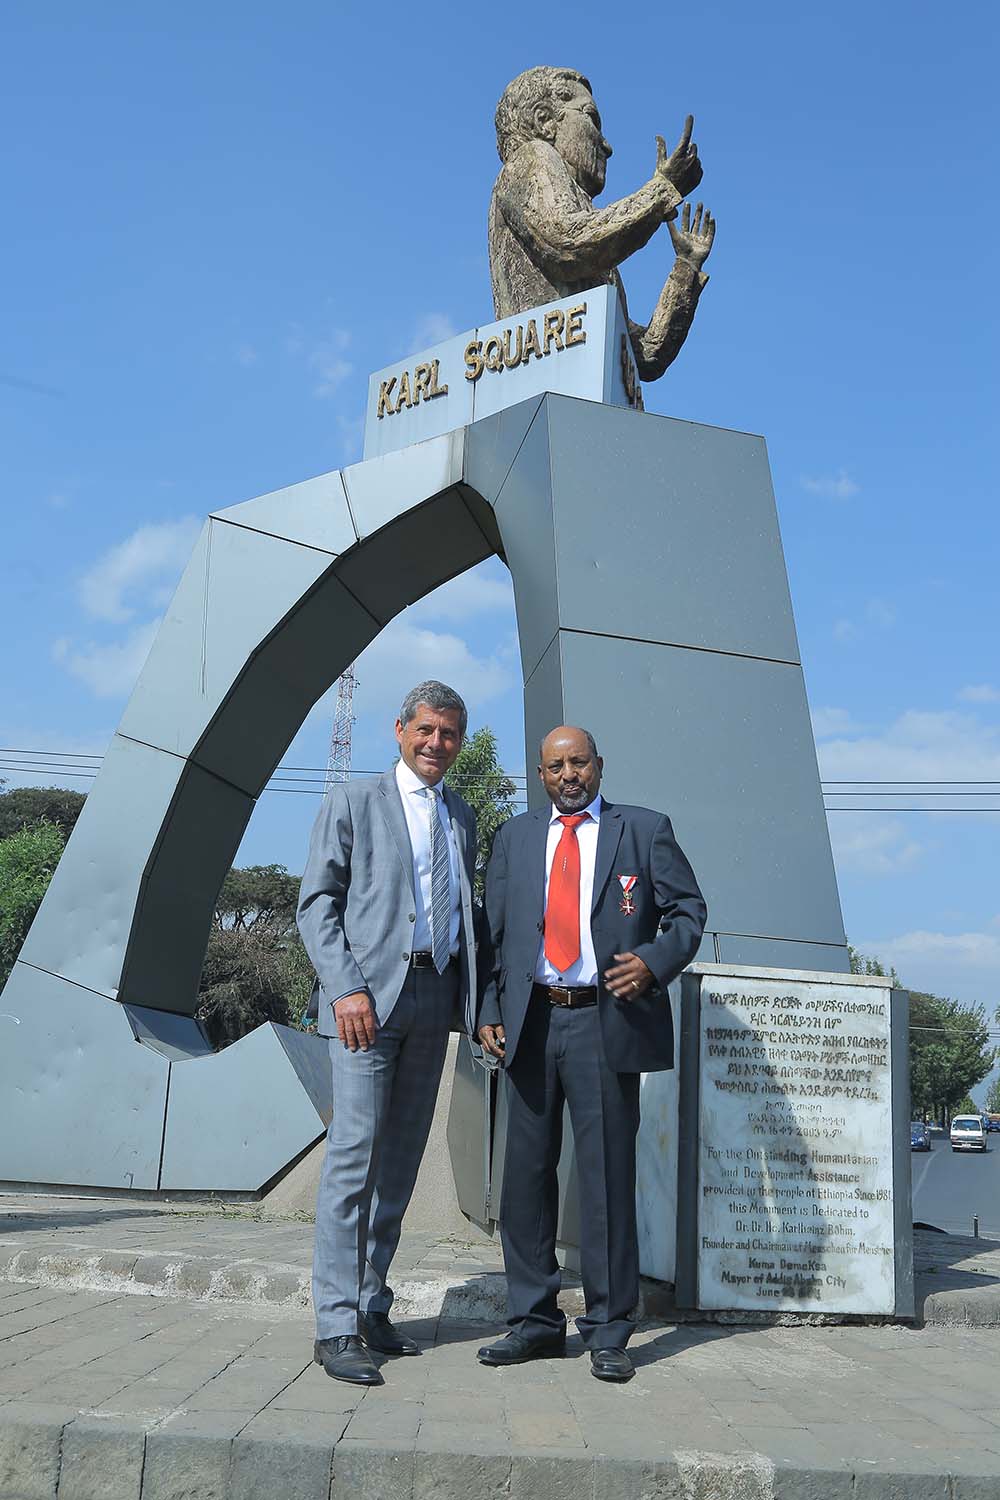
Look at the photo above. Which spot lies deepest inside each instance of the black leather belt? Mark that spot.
(571, 996)
(426, 960)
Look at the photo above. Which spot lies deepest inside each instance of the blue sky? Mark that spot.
(221, 218)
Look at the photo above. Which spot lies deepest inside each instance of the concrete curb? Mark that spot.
(473, 1299)
(50, 1451)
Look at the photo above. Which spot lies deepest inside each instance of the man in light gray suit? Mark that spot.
(385, 913)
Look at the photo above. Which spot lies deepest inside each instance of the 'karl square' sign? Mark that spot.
(578, 346)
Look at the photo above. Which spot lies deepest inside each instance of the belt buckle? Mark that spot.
(564, 993)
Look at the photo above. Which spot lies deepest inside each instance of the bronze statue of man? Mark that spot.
(548, 241)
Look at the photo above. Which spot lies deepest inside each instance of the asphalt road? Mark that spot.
(949, 1187)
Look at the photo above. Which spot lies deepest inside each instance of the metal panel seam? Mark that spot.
(520, 445)
(350, 507)
(610, 635)
(276, 536)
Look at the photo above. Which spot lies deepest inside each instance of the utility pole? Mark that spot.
(338, 766)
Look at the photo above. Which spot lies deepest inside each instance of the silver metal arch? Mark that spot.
(652, 605)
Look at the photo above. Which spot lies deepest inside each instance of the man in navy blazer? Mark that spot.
(592, 910)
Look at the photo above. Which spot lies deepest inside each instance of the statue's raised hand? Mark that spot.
(693, 241)
(682, 167)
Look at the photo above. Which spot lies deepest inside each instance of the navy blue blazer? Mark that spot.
(664, 930)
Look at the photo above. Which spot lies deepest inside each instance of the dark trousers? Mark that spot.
(560, 1057)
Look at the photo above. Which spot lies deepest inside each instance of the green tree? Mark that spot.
(993, 1098)
(27, 860)
(966, 1106)
(478, 776)
(862, 964)
(33, 804)
(255, 969)
(950, 1052)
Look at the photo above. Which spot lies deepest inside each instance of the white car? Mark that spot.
(967, 1133)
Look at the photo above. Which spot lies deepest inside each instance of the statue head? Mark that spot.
(555, 105)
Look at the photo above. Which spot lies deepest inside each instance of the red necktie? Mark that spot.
(562, 911)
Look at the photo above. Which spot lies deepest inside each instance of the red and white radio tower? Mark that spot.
(339, 765)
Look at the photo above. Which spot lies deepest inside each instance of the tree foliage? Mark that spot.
(255, 969)
(993, 1097)
(26, 805)
(478, 776)
(950, 1052)
(950, 1049)
(27, 859)
(862, 964)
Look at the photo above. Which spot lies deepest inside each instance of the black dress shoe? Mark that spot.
(379, 1334)
(611, 1364)
(515, 1349)
(346, 1358)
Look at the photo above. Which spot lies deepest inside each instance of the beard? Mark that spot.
(587, 165)
(572, 799)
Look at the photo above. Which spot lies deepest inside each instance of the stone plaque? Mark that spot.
(796, 1183)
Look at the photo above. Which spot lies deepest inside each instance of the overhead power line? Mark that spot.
(313, 780)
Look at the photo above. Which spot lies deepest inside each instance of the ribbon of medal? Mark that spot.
(627, 905)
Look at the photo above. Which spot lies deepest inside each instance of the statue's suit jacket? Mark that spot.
(664, 930)
(357, 906)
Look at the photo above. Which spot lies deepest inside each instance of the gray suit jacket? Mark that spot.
(357, 906)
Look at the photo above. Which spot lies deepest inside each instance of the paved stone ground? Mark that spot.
(126, 1395)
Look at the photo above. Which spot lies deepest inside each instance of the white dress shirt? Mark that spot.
(584, 971)
(418, 808)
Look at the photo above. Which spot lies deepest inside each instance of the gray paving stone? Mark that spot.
(901, 1484)
(267, 1463)
(981, 1486)
(30, 1442)
(442, 1473)
(364, 1471)
(100, 1462)
(395, 1421)
(544, 1475)
(706, 1475)
(548, 1429)
(812, 1482)
(186, 1466)
(314, 1391)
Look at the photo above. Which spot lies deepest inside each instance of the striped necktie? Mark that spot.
(440, 887)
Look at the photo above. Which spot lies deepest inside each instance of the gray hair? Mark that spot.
(438, 696)
(590, 741)
(515, 117)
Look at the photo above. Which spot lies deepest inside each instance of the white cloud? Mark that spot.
(881, 612)
(828, 721)
(839, 486)
(979, 692)
(406, 652)
(141, 571)
(109, 670)
(433, 328)
(869, 844)
(845, 630)
(963, 965)
(328, 362)
(966, 950)
(479, 591)
(917, 746)
(246, 355)
(58, 500)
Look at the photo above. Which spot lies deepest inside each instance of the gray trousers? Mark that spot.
(560, 1058)
(383, 1104)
